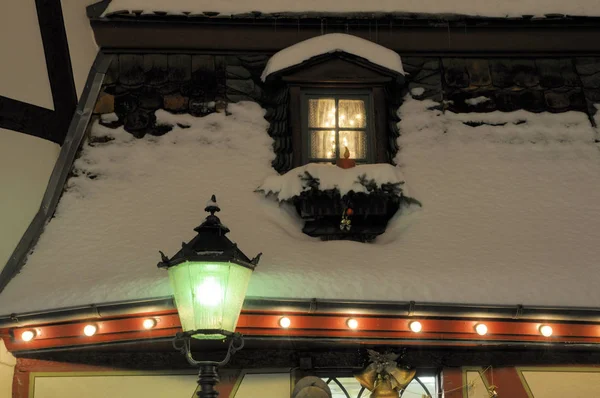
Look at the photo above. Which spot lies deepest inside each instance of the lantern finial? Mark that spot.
(211, 206)
(211, 220)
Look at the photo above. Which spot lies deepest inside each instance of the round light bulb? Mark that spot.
(90, 330)
(359, 116)
(210, 292)
(352, 323)
(546, 330)
(149, 323)
(285, 322)
(416, 326)
(27, 335)
(481, 329)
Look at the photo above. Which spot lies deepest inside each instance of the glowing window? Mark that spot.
(337, 126)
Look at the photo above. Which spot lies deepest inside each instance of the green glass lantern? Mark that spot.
(209, 277)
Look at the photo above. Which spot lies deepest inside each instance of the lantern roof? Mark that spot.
(210, 245)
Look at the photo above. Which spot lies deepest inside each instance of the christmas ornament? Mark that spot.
(383, 377)
(345, 223)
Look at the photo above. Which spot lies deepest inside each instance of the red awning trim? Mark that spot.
(372, 329)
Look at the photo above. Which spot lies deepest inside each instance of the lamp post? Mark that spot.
(209, 277)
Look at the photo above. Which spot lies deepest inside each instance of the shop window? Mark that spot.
(348, 387)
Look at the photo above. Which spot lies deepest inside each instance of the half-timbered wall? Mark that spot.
(47, 49)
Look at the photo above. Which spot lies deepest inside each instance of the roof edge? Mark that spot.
(314, 306)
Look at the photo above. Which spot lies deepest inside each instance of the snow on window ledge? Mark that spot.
(330, 43)
(286, 186)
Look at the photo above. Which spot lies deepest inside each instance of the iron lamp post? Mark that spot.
(209, 277)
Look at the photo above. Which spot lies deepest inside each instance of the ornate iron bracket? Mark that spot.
(208, 375)
(182, 343)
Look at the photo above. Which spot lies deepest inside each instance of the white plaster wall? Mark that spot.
(82, 45)
(7, 367)
(268, 385)
(575, 383)
(114, 386)
(23, 73)
(25, 76)
(26, 163)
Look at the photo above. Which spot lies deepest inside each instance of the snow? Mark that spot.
(290, 184)
(417, 91)
(476, 101)
(511, 215)
(300, 52)
(496, 8)
(109, 117)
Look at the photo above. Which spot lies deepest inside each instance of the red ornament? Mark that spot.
(349, 212)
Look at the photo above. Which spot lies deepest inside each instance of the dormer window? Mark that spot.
(336, 125)
(333, 100)
(331, 96)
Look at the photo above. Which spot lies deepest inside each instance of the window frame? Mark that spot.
(338, 94)
(380, 137)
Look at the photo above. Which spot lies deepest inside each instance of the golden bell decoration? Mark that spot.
(401, 377)
(383, 389)
(383, 377)
(367, 377)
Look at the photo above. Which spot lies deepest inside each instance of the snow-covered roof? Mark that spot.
(510, 215)
(329, 43)
(507, 8)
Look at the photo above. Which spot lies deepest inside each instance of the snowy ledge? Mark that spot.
(465, 7)
(331, 177)
(330, 43)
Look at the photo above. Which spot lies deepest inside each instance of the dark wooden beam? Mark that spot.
(29, 119)
(58, 63)
(329, 357)
(272, 34)
(34, 120)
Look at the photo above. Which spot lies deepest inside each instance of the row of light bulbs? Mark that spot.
(285, 322)
(88, 330)
(416, 326)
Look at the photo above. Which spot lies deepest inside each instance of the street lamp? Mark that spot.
(209, 277)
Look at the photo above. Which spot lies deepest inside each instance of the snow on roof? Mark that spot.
(300, 52)
(510, 215)
(506, 8)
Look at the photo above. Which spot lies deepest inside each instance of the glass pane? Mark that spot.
(322, 144)
(352, 113)
(351, 385)
(356, 142)
(321, 112)
(415, 389)
(209, 295)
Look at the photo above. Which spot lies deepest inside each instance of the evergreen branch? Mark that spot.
(309, 181)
